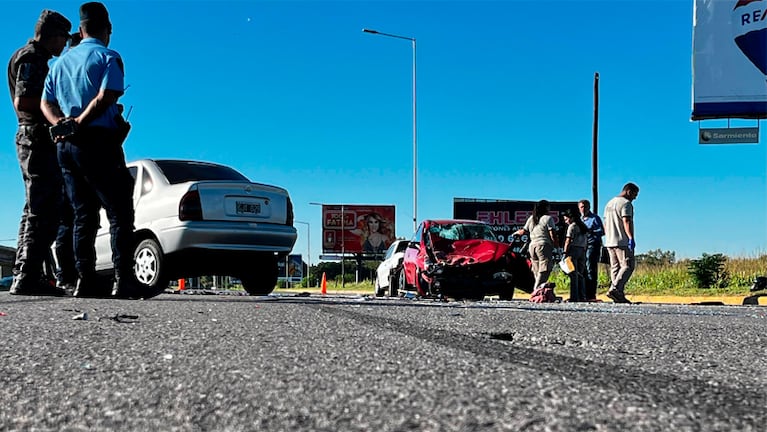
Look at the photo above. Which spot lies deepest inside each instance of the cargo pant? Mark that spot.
(541, 258)
(43, 206)
(622, 264)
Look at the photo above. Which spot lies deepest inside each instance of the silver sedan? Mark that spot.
(199, 218)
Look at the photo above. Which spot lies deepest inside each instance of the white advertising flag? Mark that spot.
(729, 59)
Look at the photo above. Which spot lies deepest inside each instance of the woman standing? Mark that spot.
(542, 232)
(575, 248)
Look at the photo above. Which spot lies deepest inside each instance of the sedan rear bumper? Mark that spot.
(228, 236)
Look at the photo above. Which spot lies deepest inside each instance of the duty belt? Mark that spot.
(34, 125)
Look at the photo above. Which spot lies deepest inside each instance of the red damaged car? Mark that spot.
(462, 259)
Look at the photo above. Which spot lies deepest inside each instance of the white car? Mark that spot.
(387, 274)
(199, 218)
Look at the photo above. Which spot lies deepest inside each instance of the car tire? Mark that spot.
(262, 279)
(379, 292)
(394, 282)
(422, 287)
(507, 294)
(149, 265)
(402, 281)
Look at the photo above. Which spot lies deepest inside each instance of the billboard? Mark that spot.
(291, 268)
(357, 229)
(504, 216)
(729, 59)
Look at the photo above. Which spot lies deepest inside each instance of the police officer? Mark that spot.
(36, 152)
(90, 151)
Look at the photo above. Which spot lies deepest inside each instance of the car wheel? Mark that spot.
(262, 279)
(149, 265)
(402, 281)
(507, 294)
(379, 292)
(394, 282)
(478, 296)
(423, 287)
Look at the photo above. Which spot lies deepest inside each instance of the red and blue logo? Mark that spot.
(749, 25)
(744, 3)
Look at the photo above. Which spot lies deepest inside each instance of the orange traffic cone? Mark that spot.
(324, 289)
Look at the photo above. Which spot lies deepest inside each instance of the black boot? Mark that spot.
(24, 284)
(88, 286)
(14, 290)
(124, 285)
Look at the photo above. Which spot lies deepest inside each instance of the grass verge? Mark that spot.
(647, 280)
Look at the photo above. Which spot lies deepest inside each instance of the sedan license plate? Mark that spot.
(247, 208)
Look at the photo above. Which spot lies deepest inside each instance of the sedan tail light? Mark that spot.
(190, 207)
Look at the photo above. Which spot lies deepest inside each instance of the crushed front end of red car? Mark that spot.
(468, 268)
(473, 269)
(462, 259)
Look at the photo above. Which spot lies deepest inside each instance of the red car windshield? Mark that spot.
(462, 231)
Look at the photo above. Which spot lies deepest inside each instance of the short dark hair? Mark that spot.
(52, 24)
(630, 187)
(571, 213)
(94, 18)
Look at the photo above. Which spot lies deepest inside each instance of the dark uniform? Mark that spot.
(40, 170)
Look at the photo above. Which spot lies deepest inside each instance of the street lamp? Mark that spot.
(343, 246)
(308, 250)
(415, 141)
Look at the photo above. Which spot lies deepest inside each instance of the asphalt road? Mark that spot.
(334, 363)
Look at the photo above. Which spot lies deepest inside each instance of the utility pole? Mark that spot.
(594, 158)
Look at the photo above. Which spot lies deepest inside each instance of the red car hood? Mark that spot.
(468, 252)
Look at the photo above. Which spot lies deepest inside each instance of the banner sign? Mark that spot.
(728, 135)
(729, 59)
(363, 229)
(505, 217)
(291, 268)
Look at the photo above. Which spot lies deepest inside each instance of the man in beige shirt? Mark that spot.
(620, 241)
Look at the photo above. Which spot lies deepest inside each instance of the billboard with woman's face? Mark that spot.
(357, 229)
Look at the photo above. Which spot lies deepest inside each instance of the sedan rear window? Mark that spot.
(185, 171)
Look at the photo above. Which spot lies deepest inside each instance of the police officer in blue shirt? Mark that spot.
(89, 133)
(593, 247)
(40, 170)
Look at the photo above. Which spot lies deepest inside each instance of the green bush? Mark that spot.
(709, 271)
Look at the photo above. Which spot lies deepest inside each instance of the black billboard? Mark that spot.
(507, 216)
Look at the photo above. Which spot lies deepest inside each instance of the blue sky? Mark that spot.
(293, 93)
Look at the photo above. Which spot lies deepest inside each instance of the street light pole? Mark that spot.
(343, 247)
(415, 139)
(308, 250)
